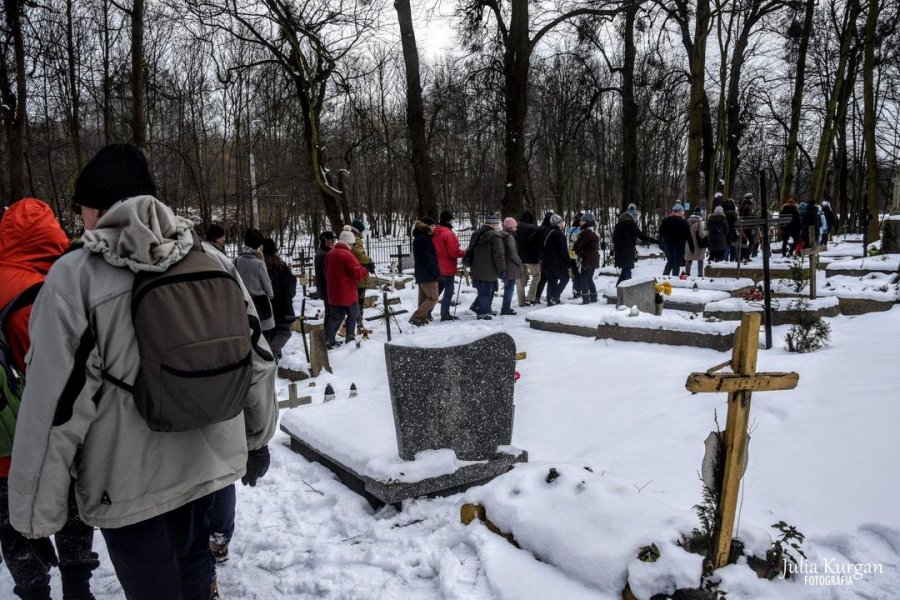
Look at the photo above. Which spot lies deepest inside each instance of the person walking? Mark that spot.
(359, 251)
(215, 235)
(530, 255)
(487, 260)
(513, 271)
(146, 461)
(342, 272)
(587, 247)
(30, 241)
(717, 232)
(574, 267)
(625, 236)
(427, 272)
(749, 234)
(700, 237)
(446, 245)
(830, 221)
(326, 243)
(284, 286)
(790, 231)
(733, 239)
(556, 260)
(674, 232)
(536, 249)
(252, 269)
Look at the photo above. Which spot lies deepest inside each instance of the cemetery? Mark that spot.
(517, 454)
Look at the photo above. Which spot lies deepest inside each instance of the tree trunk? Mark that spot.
(790, 159)
(415, 114)
(693, 188)
(14, 109)
(869, 110)
(842, 176)
(71, 59)
(629, 115)
(516, 62)
(734, 127)
(108, 133)
(138, 118)
(838, 98)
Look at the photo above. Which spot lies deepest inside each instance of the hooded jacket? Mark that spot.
(73, 422)
(625, 237)
(30, 241)
(446, 245)
(698, 231)
(718, 232)
(255, 276)
(675, 233)
(319, 266)
(536, 240)
(555, 255)
(424, 255)
(529, 253)
(488, 254)
(343, 272)
(359, 251)
(513, 268)
(587, 247)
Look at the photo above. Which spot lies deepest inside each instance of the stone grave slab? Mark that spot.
(736, 287)
(574, 319)
(669, 330)
(873, 292)
(468, 403)
(784, 310)
(858, 267)
(640, 292)
(689, 300)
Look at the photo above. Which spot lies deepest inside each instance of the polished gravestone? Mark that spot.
(447, 425)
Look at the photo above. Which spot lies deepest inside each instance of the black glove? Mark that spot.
(43, 550)
(257, 465)
(370, 267)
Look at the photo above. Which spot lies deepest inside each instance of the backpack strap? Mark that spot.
(25, 298)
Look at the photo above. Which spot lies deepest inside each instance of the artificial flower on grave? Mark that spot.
(662, 290)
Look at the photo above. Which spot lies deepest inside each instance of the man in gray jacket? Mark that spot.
(148, 491)
(487, 258)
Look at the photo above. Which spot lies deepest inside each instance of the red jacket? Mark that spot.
(30, 241)
(446, 244)
(342, 271)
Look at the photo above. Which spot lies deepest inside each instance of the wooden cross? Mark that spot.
(740, 384)
(399, 256)
(813, 253)
(388, 314)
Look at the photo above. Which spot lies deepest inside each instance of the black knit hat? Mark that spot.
(253, 238)
(118, 171)
(214, 232)
(269, 247)
(445, 217)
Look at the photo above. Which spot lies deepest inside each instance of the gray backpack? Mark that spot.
(194, 339)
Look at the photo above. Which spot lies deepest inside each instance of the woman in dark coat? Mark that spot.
(625, 237)
(717, 228)
(284, 284)
(587, 247)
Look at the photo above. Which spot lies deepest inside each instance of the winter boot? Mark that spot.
(219, 551)
(214, 589)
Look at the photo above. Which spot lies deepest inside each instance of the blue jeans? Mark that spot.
(333, 323)
(556, 283)
(509, 288)
(673, 263)
(221, 517)
(587, 284)
(485, 291)
(166, 556)
(446, 283)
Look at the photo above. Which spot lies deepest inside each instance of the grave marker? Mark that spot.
(740, 384)
(813, 253)
(637, 292)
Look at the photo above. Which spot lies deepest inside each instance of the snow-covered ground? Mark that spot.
(822, 457)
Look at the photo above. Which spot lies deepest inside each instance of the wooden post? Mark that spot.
(318, 351)
(813, 245)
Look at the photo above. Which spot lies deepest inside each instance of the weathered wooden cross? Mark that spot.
(813, 253)
(400, 255)
(740, 384)
(388, 314)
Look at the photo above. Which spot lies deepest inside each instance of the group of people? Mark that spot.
(137, 425)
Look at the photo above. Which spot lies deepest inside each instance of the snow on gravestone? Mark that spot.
(457, 397)
(637, 292)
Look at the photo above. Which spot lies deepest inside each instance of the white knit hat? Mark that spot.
(347, 237)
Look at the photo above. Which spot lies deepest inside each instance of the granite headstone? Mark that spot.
(457, 397)
(637, 292)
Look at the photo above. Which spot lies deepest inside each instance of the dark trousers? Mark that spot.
(587, 285)
(577, 290)
(166, 557)
(785, 246)
(485, 291)
(333, 322)
(446, 284)
(221, 517)
(674, 261)
(624, 275)
(542, 283)
(74, 544)
(278, 337)
(556, 283)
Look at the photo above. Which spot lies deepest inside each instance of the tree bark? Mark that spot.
(693, 188)
(516, 63)
(14, 109)
(629, 115)
(138, 118)
(790, 159)
(71, 60)
(869, 121)
(415, 114)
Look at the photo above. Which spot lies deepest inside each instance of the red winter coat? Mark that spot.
(446, 244)
(342, 271)
(30, 241)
